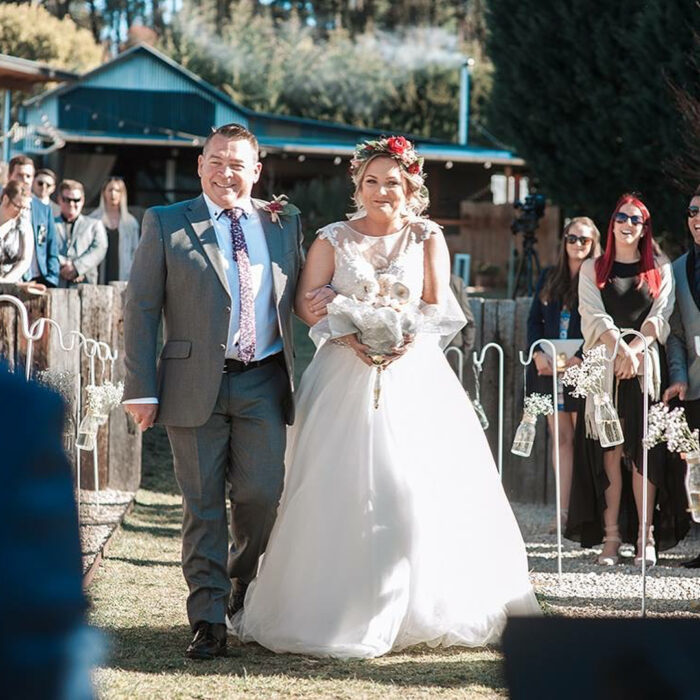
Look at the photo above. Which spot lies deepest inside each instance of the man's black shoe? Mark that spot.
(237, 598)
(209, 641)
(693, 563)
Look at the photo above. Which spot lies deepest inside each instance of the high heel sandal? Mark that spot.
(612, 534)
(649, 550)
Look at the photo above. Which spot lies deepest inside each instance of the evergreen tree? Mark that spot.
(581, 91)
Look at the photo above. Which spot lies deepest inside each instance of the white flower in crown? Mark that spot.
(280, 206)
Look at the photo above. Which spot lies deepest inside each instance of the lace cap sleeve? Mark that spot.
(329, 233)
(425, 228)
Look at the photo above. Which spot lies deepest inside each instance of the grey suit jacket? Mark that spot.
(86, 248)
(178, 272)
(683, 362)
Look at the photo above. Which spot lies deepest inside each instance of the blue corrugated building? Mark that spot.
(143, 117)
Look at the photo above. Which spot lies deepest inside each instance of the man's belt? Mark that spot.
(231, 365)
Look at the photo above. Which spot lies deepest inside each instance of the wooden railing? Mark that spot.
(97, 313)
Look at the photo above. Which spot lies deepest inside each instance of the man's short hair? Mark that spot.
(234, 132)
(46, 171)
(19, 160)
(71, 185)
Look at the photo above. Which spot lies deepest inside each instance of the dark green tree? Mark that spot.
(581, 90)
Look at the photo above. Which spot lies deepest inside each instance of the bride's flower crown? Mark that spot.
(396, 147)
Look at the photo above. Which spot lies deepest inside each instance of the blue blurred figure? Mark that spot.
(43, 637)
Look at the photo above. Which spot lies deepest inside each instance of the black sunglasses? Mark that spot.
(583, 240)
(622, 218)
(72, 200)
(693, 211)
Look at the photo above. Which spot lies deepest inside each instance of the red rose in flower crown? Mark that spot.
(397, 144)
(397, 147)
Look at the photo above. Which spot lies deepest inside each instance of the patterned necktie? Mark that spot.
(246, 338)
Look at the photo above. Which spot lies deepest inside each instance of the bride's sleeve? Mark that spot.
(445, 317)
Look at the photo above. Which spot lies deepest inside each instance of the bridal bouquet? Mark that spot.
(588, 379)
(670, 426)
(383, 316)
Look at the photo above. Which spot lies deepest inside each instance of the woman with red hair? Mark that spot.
(629, 286)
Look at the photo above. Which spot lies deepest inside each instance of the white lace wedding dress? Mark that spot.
(393, 528)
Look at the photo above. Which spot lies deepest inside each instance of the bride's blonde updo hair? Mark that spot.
(402, 151)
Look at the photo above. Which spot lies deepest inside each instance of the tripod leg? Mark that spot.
(518, 275)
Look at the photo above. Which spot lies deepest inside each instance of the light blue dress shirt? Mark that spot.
(268, 340)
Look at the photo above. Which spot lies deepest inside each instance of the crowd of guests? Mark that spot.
(46, 243)
(589, 295)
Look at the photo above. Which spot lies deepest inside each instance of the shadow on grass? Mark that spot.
(154, 530)
(144, 562)
(161, 650)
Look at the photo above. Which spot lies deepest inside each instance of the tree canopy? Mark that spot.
(582, 91)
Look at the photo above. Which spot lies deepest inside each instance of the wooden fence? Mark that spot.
(97, 312)
(504, 321)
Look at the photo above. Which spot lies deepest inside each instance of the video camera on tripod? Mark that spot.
(528, 269)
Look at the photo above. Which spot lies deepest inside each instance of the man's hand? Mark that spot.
(318, 299)
(68, 271)
(676, 389)
(543, 364)
(144, 414)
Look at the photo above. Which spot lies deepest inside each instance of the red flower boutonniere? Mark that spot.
(280, 206)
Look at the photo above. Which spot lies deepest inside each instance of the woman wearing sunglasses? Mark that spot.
(683, 361)
(554, 314)
(16, 241)
(629, 286)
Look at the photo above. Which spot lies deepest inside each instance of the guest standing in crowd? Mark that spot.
(44, 186)
(629, 286)
(683, 361)
(82, 240)
(16, 241)
(122, 231)
(39, 221)
(554, 314)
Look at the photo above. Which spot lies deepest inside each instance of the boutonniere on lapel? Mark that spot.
(280, 206)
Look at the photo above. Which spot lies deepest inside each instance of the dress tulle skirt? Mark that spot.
(393, 528)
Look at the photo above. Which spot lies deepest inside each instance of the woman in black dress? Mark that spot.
(629, 286)
(554, 314)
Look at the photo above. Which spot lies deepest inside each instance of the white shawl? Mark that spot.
(595, 321)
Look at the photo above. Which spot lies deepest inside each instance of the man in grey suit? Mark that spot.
(222, 269)
(82, 240)
(683, 360)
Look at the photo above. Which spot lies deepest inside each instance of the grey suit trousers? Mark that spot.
(241, 444)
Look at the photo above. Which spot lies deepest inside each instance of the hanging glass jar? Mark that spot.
(692, 484)
(607, 422)
(476, 403)
(68, 434)
(87, 431)
(524, 436)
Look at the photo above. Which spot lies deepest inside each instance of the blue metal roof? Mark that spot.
(99, 95)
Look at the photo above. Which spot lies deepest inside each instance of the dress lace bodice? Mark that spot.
(361, 260)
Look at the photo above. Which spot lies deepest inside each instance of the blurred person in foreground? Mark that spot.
(683, 360)
(44, 641)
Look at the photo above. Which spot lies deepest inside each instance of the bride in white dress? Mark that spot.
(393, 528)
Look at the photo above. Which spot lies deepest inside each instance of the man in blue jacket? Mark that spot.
(45, 264)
